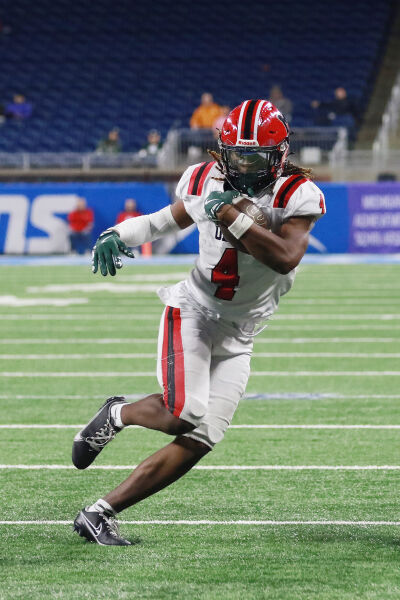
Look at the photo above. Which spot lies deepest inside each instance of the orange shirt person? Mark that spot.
(205, 115)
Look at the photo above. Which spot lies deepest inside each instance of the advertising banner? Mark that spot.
(33, 217)
(362, 218)
(374, 211)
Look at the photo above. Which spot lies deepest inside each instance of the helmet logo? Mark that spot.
(247, 143)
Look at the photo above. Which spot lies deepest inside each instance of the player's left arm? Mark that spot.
(134, 232)
(280, 251)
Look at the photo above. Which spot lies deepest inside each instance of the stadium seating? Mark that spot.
(88, 66)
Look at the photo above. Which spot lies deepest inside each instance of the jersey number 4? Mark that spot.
(225, 274)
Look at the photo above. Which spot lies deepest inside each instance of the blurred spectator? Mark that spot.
(342, 105)
(129, 211)
(283, 104)
(333, 111)
(2, 114)
(219, 121)
(81, 224)
(153, 145)
(205, 115)
(386, 177)
(19, 108)
(111, 144)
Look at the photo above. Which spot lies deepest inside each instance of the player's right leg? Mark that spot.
(149, 412)
(183, 371)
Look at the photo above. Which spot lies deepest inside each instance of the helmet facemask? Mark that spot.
(251, 170)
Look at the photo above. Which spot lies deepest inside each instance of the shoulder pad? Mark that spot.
(287, 189)
(192, 181)
(298, 196)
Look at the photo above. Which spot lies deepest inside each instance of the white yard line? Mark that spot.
(66, 397)
(324, 373)
(57, 467)
(81, 317)
(316, 301)
(313, 426)
(313, 396)
(129, 356)
(290, 326)
(103, 286)
(173, 276)
(107, 341)
(296, 396)
(336, 317)
(14, 301)
(332, 327)
(325, 354)
(121, 374)
(209, 522)
(77, 374)
(340, 301)
(76, 356)
(258, 340)
(243, 426)
(139, 317)
(326, 340)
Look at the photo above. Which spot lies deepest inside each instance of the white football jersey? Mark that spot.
(225, 282)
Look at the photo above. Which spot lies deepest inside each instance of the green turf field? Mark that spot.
(328, 529)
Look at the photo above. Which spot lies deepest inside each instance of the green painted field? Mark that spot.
(316, 515)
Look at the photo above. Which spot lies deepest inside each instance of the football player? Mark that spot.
(210, 319)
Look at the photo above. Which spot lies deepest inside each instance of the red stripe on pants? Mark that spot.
(179, 364)
(164, 358)
(172, 356)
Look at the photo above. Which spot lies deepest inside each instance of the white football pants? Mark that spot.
(203, 366)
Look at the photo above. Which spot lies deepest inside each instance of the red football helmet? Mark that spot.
(254, 144)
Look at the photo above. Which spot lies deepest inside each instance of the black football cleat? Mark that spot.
(100, 528)
(90, 441)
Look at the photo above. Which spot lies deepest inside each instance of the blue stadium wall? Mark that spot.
(361, 217)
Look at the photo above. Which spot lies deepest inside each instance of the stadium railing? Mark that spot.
(324, 149)
(390, 121)
(85, 161)
(316, 144)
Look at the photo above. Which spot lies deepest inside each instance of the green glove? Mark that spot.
(106, 253)
(216, 201)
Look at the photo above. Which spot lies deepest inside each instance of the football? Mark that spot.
(248, 207)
